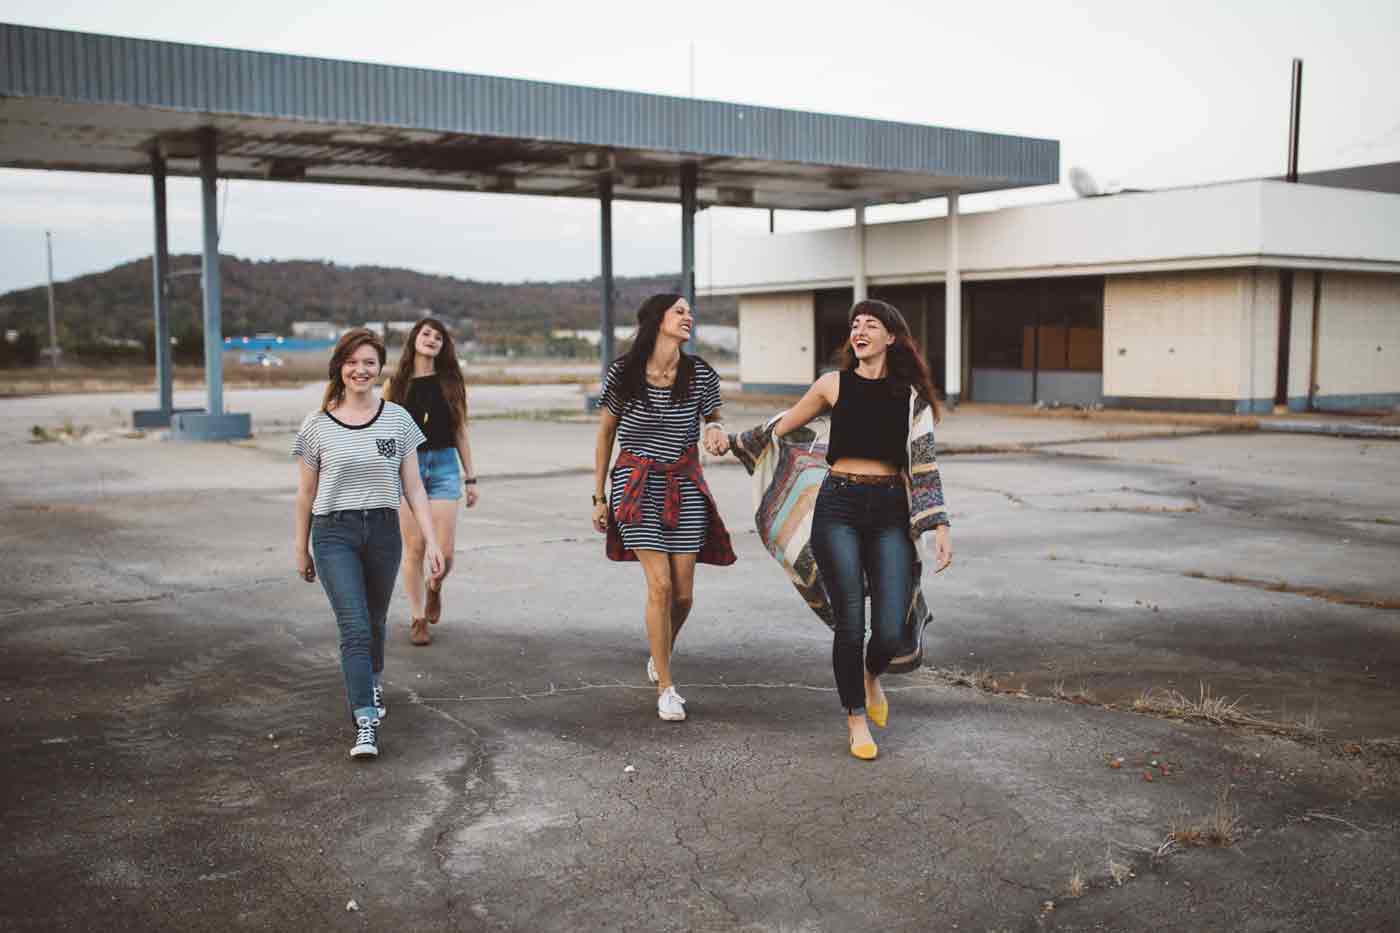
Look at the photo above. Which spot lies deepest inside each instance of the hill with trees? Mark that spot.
(114, 306)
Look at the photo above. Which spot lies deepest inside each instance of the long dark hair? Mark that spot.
(906, 364)
(632, 380)
(345, 347)
(445, 366)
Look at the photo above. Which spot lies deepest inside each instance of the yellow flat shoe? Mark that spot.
(865, 751)
(879, 715)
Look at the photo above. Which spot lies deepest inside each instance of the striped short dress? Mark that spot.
(662, 430)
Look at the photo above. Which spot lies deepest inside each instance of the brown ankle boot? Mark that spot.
(418, 632)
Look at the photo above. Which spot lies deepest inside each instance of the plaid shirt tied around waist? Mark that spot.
(716, 549)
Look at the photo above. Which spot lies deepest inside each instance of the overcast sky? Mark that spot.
(1147, 94)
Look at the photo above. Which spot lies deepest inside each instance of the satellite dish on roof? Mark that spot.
(1083, 183)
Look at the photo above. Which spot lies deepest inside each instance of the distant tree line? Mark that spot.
(94, 311)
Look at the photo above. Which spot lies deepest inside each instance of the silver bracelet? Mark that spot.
(714, 424)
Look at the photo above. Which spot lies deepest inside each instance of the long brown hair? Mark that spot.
(345, 347)
(906, 364)
(633, 376)
(445, 367)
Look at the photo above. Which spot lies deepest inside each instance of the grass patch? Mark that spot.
(1219, 829)
(1314, 592)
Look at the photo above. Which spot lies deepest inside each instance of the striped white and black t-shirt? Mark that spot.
(662, 430)
(359, 464)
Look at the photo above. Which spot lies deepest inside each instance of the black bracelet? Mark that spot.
(469, 481)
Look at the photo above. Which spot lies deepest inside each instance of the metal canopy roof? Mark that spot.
(82, 102)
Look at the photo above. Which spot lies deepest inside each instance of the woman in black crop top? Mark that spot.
(861, 528)
(428, 382)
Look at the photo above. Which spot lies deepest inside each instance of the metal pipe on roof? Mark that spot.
(1295, 113)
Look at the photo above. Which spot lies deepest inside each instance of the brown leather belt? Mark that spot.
(869, 479)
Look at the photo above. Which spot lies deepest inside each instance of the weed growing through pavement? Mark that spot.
(1219, 829)
(1077, 884)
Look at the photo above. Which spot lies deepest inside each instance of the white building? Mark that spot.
(1176, 299)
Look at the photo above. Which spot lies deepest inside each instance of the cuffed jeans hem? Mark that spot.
(366, 712)
(858, 711)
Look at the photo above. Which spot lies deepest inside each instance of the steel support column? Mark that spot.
(213, 424)
(859, 282)
(160, 267)
(213, 327)
(605, 202)
(159, 417)
(952, 309)
(689, 179)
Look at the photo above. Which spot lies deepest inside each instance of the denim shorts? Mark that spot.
(441, 473)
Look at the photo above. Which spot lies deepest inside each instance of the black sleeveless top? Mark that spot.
(870, 421)
(430, 410)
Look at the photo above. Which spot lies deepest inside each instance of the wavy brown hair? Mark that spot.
(445, 367)
(633, 377)
(906, 364)
(345, 347)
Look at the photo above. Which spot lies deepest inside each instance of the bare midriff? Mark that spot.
(863, 467)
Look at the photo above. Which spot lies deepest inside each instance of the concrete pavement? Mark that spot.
(176, 737)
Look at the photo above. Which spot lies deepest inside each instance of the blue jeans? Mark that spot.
(440, 472)
(860, 533)
(357, 555)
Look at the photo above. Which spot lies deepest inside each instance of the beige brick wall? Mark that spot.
(1358, 335)
(777, 339)
(1191, 335)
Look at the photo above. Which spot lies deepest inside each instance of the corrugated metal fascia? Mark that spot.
(147, 73)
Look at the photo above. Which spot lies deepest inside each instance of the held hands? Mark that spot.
(306, 568)
(716, 441)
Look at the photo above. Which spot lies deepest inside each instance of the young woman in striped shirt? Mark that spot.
(662, 513)
(357, 456)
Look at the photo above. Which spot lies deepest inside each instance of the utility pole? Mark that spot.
(53, 328)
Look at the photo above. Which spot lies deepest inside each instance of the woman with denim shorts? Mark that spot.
(357, 458)
(428, 382)
(882, 493)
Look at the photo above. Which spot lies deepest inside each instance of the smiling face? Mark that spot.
(428, 343)
(869, 338)
(360, 370)
(677, 322)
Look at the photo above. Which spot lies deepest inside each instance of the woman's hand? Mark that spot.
(942, 549)
(471, 495)
(306, 568)
(600, 517)
(436, 565)
(716, 441)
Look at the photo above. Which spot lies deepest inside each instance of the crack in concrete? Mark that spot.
(1366, 601)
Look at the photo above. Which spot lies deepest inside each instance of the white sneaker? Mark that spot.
(670, 706)
(379, 701)
(367, 738)
(652, 676)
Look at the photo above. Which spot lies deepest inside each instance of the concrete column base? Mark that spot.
(202, 426)
(146, 419)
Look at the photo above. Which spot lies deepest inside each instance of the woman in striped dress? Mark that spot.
(662, 513)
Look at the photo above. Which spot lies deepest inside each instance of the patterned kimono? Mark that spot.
(787, 475)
